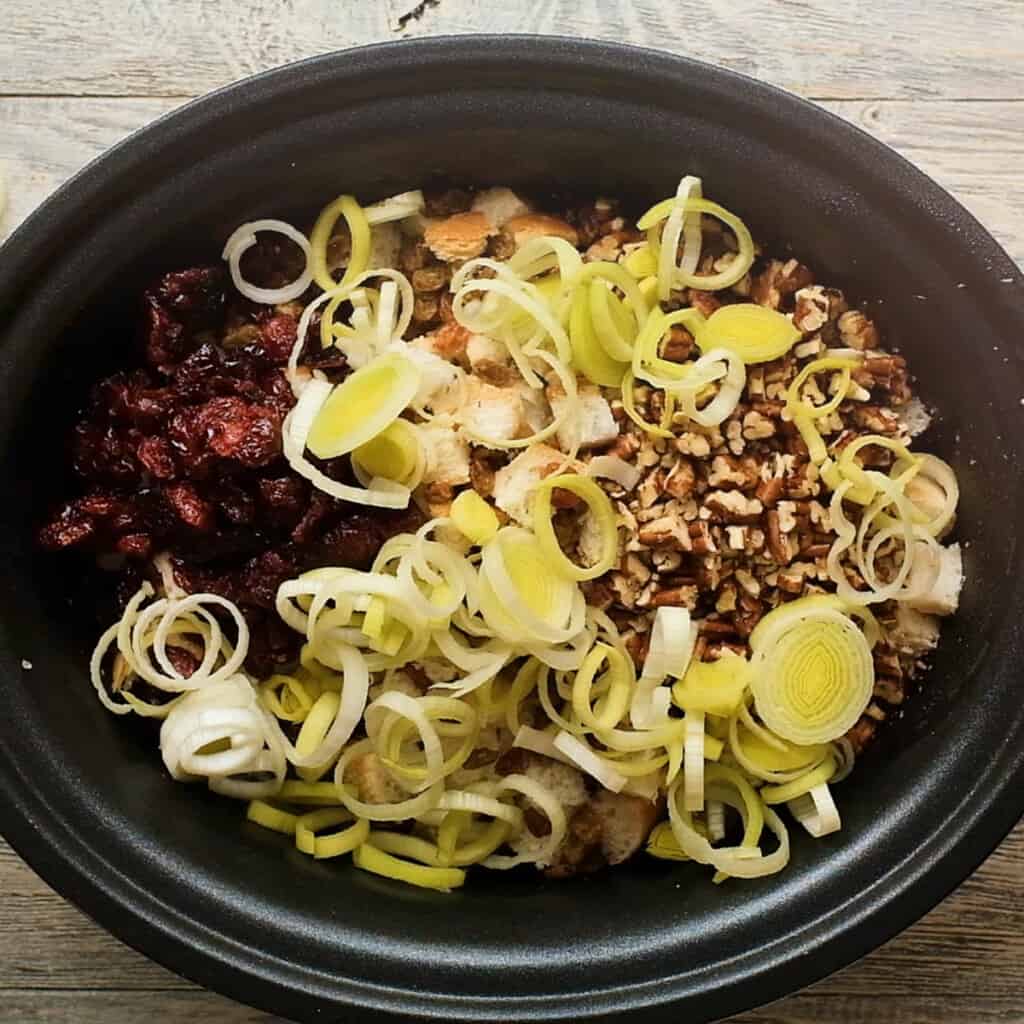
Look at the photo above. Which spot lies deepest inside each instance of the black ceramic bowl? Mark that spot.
(176, 872)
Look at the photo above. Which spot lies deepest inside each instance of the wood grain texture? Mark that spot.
(943, 84)
(960, 963)
(974, 148)
(821, 48)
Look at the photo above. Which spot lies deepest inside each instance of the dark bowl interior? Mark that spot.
(177, 872)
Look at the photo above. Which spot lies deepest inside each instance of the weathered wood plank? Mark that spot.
(972, 148)
(963, 957)
(861, 48)
(27, 1006)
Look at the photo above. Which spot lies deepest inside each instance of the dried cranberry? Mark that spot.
(282, 500)
(177, 308)
(190, 508)
(184, 661)
(277, 338)
(309, 527)
(272, 645)
(105, 454)
(233, 502)
(135, 545)
(132, 399)
(245, 432)
(68, 528)
(157, 456)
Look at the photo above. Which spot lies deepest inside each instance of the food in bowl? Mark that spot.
(474, 530)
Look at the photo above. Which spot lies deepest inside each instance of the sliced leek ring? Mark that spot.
(755, 333)
(363, 405)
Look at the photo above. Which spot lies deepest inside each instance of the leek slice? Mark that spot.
(243, 239)
(363, 405)
(706, 282)
(629, 405)
(259, 812)
(474, 518)
(755, 333)
(714, 687)
(394, 454)
(641, 262)
(359, 229)
(323, 847)
(371, 858)
(601, 509)
(693, 762)
(662, 843)
(813, 672)
(589, 356)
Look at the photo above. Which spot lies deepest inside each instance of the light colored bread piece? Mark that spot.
(915, 417)
(373, 781)
(447, 454)
(459, 237)
(515, 483)
(492, 412)
(385, 245)
(500, 205)
(930, 498)
(536, 409)
(564, 781)
(483, 349)
(626, 822)
(448, 341)
(936, 579)
(438, 377)
(914, 633)
(490, 361)
(535, 225)
(592, 422)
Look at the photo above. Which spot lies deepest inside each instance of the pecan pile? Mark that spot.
(731, 521)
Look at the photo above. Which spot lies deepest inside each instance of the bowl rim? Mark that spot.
(201, 953)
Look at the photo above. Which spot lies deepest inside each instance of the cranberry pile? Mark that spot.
(184, 456)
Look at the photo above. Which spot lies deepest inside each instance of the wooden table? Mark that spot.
(942, 83)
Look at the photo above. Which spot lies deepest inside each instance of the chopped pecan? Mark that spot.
(728, 472)
(778, 542)
(676, 597)
(733, 507)
(482, 467)
(757, 427)
(681, 479)
(862, 733)
(889, 690)
(876, 419)
(637, 644)
(748, 614)
(625, 446)
(816, 306)
(769, 491)
(779, 280)
(700, 539)
(857, 331)
(705, 302)
(791, 580)
(678, 346)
